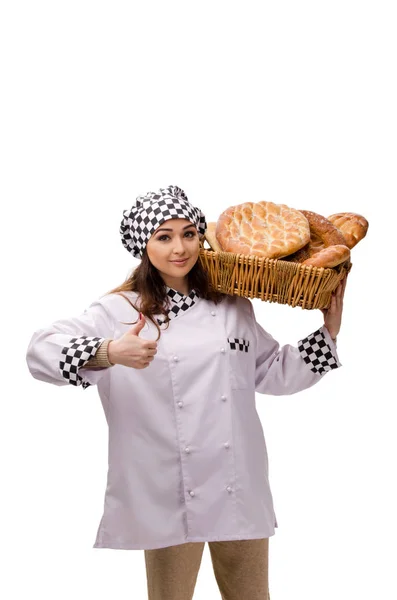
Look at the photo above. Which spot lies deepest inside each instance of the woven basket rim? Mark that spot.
(261, 260)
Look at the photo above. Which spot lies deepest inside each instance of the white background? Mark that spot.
(291, 102)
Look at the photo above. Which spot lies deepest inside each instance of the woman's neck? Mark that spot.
(178, 284)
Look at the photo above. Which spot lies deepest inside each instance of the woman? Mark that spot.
(177, 365)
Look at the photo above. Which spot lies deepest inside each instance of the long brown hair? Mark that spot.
(148, 283)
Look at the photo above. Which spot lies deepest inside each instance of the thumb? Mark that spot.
(138, 326)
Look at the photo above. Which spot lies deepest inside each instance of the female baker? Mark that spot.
(177, 365)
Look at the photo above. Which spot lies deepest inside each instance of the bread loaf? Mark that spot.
(323, 233)
(353, 226)
(211, 237)
(262, 228)
(329, 257)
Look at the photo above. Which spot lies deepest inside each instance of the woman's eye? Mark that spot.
(189, 233)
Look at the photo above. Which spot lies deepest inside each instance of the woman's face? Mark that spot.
(174, 240)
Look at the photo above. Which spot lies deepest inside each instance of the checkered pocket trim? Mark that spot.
(316, 353)
(78, 351)
(238, 344)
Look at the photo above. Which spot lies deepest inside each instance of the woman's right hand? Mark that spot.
(132, 351)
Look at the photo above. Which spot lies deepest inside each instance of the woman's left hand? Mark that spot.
(333, 314)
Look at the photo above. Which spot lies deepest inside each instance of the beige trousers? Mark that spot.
(240, 568)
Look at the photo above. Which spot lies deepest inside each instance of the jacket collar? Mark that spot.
(178, 303)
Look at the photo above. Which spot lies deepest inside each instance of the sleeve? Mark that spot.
(57, 354)
(290, 369)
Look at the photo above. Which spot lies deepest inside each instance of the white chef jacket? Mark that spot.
(187, 455)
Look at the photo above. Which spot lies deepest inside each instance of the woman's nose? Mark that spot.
(178, 245)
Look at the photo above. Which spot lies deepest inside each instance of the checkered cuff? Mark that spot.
(317, 353)
(77, 352)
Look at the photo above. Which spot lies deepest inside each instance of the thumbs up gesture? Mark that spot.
(132, 351)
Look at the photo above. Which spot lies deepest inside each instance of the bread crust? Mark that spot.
(210, 236)
(352, 225)
(323, 233)
(331, 256)
(323, 229)
(263, 229)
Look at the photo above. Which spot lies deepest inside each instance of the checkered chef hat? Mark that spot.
(150, 211)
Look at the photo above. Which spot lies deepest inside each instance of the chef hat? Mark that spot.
(150, 211)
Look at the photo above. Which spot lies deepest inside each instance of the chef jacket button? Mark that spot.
(229, 489)
(191, 493)
(180, 404)
(187, 450)
(223, 398)
(176, 358)
(213, 313)
(227, 445)
(223, 350)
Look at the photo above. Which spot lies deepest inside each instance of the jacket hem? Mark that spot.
(178, 541)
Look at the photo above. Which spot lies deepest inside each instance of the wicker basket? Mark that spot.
(272, 280)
